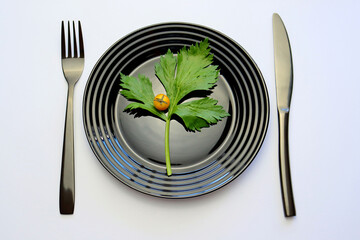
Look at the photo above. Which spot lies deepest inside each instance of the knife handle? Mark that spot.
(284, 163)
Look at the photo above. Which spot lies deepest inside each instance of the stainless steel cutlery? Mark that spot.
(72, 59)
(284, 84)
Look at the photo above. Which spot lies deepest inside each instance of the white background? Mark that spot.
(324, 125)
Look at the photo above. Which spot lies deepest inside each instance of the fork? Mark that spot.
(72, 66)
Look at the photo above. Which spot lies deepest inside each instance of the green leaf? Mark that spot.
(165, 70)
(140, 90)
(200, 113)
(192, 71)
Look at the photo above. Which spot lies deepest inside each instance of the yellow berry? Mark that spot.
(161, 102)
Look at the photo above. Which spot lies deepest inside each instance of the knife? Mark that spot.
(284, 85)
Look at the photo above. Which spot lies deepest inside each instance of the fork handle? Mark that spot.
(67, 179)
(284, 162)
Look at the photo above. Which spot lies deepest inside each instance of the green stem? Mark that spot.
(167, 147)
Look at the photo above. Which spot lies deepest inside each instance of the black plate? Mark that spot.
(132, 148)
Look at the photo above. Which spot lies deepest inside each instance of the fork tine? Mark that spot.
(75, 45)
(69, 41)
(63, 52)
(81, 43)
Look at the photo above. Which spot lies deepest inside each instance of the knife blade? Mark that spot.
(284, 85)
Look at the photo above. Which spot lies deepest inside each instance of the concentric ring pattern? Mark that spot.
(244, 132)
